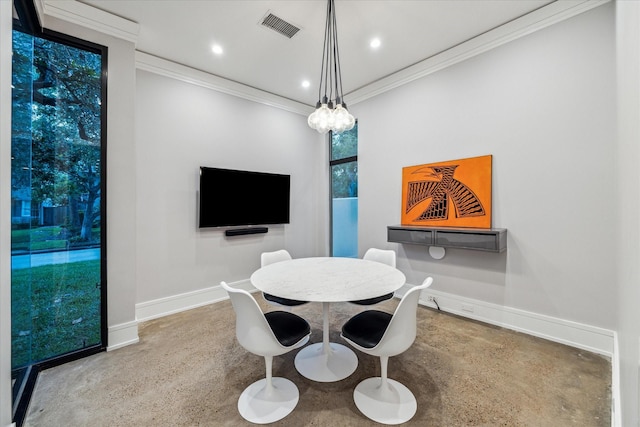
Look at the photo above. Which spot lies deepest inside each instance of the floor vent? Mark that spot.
(279, 25)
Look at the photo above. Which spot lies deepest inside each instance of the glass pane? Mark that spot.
(21, 215)
(344, 180)
(345, 227)
(56, 185)
(344, 215)
(344, 144)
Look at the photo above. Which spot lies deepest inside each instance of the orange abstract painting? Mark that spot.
(455, 193)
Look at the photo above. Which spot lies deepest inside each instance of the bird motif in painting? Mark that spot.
(442, 188)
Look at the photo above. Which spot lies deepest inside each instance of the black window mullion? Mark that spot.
(343, 160)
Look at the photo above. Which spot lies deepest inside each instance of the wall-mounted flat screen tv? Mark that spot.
(231, 197)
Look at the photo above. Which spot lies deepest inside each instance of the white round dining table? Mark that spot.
(327, 280)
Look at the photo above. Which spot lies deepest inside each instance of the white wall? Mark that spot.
(544, 107)
(628, 207)
(181, 126)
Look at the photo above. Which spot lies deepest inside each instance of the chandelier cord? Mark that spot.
(330, 53)
(327, 116)
(324, 68)
(336, 56)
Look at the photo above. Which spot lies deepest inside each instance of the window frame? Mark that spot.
(25, 380)
(332, 163)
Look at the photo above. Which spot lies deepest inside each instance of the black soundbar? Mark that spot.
(243, 231)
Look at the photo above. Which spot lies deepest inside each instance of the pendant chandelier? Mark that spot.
(331, 112)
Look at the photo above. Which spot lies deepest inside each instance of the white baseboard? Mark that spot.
(585, 337)
(175, 304)
(127, 333)
(122, 335)
(590, 338)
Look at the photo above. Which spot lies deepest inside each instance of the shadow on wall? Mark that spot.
(463, 264)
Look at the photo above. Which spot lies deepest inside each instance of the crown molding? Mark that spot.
(545, 16)
(89, 17)
(157, 65)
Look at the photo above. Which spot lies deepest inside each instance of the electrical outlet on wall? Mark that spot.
(431, 299)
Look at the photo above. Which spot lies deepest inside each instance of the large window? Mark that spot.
(58, 275)
(344, 193)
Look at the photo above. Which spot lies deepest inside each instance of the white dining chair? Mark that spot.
(381, 334)
(267, 334)
(267, 258)
(384, 256)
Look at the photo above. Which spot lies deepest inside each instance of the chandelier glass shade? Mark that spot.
(331, 112)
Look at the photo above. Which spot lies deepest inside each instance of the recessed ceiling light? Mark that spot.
(217, 49)
(375, 43)
(306, 83)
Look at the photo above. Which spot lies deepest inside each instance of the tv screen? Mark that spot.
(234, 197)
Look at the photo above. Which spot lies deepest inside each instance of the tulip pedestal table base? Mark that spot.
(326, 361)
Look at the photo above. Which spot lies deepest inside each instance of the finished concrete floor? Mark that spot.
(188, 370)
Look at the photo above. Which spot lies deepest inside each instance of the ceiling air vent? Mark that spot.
(279, 25)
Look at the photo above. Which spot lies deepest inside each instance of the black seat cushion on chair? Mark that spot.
(283, 301)
(288, 328)
(372, 301)
(367, 328)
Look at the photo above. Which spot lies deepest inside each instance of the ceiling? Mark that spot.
(410, 32)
